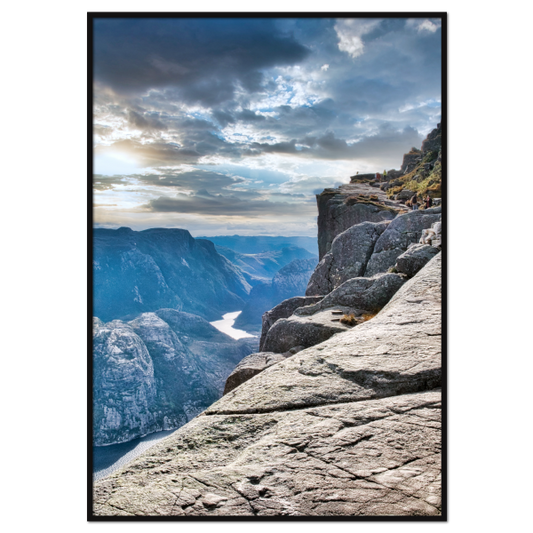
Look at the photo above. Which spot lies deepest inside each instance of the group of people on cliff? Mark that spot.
(379, 176)
(414, 202)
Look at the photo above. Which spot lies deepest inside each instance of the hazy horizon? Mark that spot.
(200, 235)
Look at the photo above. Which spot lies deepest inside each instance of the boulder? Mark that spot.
(370, 294)
(404, 230)
(348, 257)
(251, 366)
(391, 183)
(415, 258)
(405, 194)
(304, 331)
(284, 310)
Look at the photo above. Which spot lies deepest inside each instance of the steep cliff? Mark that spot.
(342, 208)
(157, 372)
(142, 271)
(368, 249)
(348, 427)
(365, 199)
(339, 413)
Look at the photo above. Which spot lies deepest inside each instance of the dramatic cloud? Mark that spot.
(104, 183)
(145, 122)
(153, 153)
(194, 180)
(204, 60)
(351, 32)
(220, 122)
(206, 204)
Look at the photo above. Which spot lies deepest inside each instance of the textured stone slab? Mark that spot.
(348, 427)
(378, 457)
(397, 351)
(250, 366)
(370, 294)
(304, 331)
(284, 310)
(415, 258)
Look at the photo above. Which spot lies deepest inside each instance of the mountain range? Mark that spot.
(289, 281)
(262, 266)
(256, 244)
(141, 271)
(157, 360)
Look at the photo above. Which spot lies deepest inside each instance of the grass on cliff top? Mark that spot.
(354, 179)
(430, 185)
(368, 200)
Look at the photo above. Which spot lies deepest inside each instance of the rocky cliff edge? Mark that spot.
(350, 426)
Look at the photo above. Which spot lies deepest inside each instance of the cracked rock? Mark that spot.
(304, 331)
(403, 231)
(415, 258)
(349, 427)
(348, 257)
(283, 310)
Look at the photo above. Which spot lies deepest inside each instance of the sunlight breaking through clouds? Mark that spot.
(230, 123)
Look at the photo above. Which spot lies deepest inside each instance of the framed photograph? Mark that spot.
(268, 266)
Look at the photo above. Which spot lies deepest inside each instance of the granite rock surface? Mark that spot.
(350, 426)
(304, 331)
(404, 230)
(370, 294)
(284, 310)
(335, 215)
(252, 365)
(348, 257)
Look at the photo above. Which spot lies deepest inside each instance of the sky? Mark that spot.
(228, 126)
